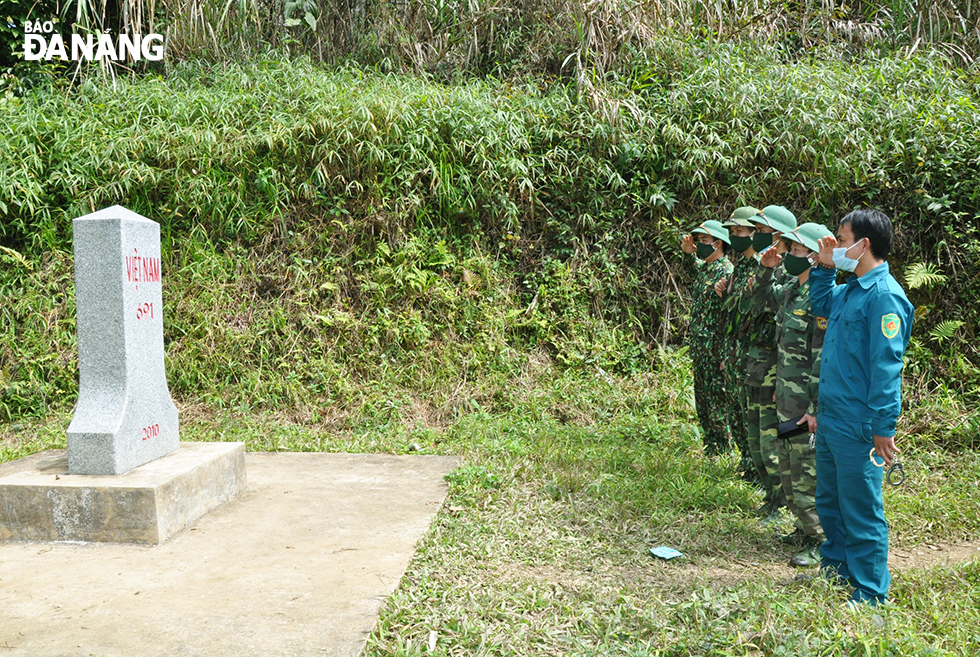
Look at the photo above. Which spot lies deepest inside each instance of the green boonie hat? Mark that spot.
(715, 229)
(779, 218)
(807, 235)
(742, 217)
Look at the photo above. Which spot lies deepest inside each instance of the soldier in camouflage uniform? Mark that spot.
(800, 338)
(737, 300)
(705, 340)
(758, 331)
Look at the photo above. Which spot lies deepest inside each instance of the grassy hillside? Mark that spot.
(323, 230)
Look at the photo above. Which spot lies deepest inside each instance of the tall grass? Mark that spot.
(573, 38)
(534, 36)
(539, 35)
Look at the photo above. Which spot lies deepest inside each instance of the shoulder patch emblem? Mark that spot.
(799, 312)
(890, 324)
(822, 323)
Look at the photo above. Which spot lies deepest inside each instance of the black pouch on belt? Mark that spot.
(790, 428)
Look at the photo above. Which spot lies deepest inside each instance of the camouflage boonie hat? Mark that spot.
(714, 229)
(742, 217)
(778, 218)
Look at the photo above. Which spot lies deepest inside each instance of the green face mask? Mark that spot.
(741, 244)
(761, 240)
(704, 250)
(795, 265)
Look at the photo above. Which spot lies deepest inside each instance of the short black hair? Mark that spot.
(876, 226)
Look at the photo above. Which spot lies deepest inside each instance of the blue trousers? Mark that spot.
(851, 509)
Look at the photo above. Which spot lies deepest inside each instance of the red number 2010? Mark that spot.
(151, 431)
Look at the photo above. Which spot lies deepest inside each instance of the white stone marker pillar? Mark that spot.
(124, 416)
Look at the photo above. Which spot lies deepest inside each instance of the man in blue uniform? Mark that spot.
(868, 328)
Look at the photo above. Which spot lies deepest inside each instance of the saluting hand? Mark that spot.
(770, 258)
(687, 244)
(721, 286)
(827, 246)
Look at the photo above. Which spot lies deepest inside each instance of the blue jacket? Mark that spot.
(869, 321)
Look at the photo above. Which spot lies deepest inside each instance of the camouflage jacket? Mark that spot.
(759, 325)
(705, 331)
(738, 299)
(799, 338)
(758, 330)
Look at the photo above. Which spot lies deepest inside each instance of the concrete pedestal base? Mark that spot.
(40, 501)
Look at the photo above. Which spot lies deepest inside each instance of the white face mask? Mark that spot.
(842, 261)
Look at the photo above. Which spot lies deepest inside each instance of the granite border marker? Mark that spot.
(125, 476)
(124, 417)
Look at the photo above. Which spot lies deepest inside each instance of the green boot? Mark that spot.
(808, 557)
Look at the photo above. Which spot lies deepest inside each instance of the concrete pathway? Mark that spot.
(300, 564)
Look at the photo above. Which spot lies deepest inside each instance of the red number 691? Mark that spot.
(144, 310)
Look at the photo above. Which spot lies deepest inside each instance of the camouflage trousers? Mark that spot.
(761, 425)
(711, 401)
(798, 473)
(734, 377)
